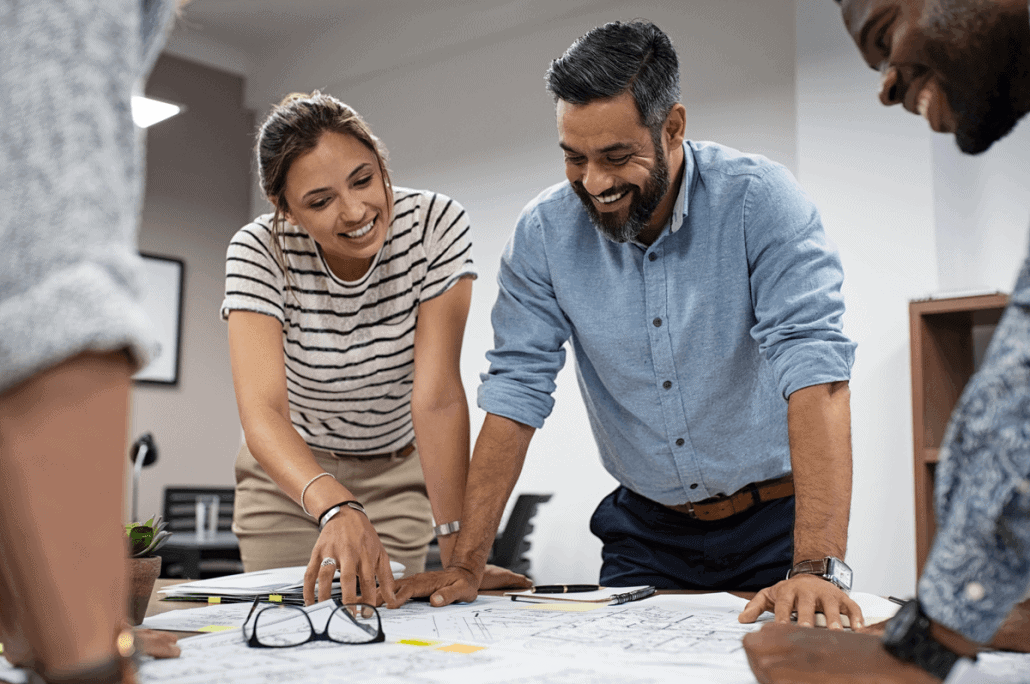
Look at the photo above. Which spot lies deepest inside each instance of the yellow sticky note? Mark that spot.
(417, 642)
(461, 648)
(275, 598)
(216, 628)
(565, 607)
(214, 599)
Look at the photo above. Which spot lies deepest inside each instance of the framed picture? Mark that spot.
(164, 278)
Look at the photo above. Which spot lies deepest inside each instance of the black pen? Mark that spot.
(563, 588)
(895, 599)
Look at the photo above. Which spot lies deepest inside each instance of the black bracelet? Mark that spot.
(356, 505)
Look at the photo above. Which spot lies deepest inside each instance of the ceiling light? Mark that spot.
(147, 111)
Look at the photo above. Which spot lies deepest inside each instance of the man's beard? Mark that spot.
(641, 208)
(981, 55)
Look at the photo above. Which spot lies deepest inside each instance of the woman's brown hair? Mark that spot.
(293, 128)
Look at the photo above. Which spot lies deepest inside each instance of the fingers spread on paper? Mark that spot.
(805, 596)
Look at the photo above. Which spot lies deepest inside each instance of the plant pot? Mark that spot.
(142, 573)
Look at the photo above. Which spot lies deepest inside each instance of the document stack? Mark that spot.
(279, 585)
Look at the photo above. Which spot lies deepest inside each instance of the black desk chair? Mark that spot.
(511, 544)
(210, 559)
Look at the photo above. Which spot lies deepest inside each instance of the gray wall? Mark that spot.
(197, 196)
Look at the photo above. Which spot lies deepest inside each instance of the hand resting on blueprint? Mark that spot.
(805, 594)
(352, 542)
(456, 584)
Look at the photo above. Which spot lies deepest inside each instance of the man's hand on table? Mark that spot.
(456, 584)
(797, 655)
(805, 594)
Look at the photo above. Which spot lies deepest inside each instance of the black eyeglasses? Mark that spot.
(349, 623)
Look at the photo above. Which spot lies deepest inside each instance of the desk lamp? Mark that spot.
(142, 453)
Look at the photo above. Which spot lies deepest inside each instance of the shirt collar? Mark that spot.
(681, 208)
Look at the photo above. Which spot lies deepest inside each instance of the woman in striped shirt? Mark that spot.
(346, 309)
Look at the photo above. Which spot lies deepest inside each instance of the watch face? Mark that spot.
(839, 573)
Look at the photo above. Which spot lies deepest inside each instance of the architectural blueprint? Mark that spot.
(694, 638)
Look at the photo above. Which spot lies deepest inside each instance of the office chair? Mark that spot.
(511, 544)
(180, 511)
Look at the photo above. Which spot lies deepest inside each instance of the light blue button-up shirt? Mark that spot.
(685, 350)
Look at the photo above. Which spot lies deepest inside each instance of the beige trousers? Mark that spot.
(274, 532)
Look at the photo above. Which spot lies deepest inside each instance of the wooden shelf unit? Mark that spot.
(945, 337)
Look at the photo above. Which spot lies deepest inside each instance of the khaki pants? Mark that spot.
(274, 532)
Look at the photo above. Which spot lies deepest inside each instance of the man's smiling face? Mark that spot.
(614, 165)
(958, 63)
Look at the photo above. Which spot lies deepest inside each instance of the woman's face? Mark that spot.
(336, 193)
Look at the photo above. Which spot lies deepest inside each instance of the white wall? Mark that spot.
(197, 196)
(983, 209)
(868, 168)
(473, 120)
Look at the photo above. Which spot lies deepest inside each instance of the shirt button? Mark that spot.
(693, 486)
(975, 591)
(657, 322)
(667, 384)
(652, 256)
(679, 442)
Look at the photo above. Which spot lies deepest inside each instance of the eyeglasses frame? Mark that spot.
(315, 635)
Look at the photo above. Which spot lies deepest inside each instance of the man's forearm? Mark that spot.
(819, 425)
(443, 443)
(496, 464)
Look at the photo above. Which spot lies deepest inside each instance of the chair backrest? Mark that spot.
(511, 545)
(180, 506)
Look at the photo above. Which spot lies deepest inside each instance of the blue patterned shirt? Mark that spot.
(979, 565)
(685, 350)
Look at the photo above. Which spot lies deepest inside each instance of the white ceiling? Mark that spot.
(257, 29)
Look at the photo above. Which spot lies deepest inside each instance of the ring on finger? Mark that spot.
(328, 560)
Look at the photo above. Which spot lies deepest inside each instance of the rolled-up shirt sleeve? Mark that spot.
(796, 278)
(979, 564)
(530, 330)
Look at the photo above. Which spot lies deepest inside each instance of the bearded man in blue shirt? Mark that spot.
(702, 300)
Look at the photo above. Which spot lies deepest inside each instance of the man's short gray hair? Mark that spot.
(610, 59)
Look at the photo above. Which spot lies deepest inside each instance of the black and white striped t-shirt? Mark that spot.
(349, 346)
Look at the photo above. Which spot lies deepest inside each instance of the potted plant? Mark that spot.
(144, 566)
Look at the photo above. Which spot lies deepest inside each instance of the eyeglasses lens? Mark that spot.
(354, 624)
(277, 627)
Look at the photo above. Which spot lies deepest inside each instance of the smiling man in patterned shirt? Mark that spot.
(964, 65)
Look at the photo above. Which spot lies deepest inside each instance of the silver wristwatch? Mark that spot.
(447, 528)
(831, 569)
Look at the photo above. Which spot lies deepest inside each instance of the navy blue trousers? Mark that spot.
(647, 543)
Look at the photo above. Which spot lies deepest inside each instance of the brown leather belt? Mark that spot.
(719, 507)
(403, 452)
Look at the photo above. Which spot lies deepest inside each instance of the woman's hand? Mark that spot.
(351, 541)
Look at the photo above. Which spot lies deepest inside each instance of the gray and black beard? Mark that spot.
(640, 209)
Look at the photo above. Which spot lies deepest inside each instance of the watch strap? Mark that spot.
(916, 645)
(829, 568)
(817, 566)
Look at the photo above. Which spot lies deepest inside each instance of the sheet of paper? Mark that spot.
(196, 619)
